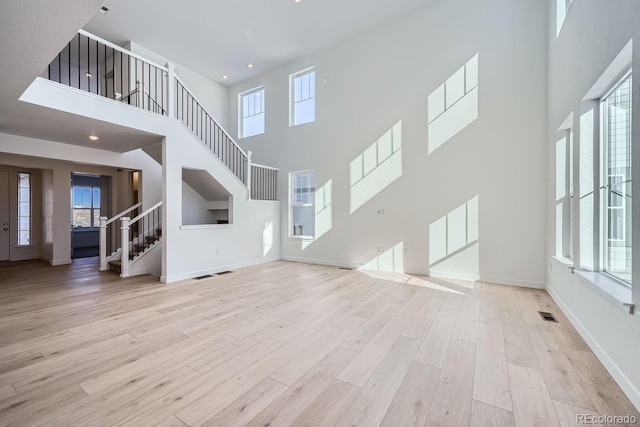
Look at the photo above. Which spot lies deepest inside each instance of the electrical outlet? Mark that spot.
(380, 211)
(219, 251)
(380, 249)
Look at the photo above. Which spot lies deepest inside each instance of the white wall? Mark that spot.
(368, 85)
(213, 96)
(194, 207)
(593, 35)
(195, 250)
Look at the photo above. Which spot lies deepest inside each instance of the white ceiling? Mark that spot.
(216, 37)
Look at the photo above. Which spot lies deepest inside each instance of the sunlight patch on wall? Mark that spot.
(391, 260)
(453, 105)
(586, 190)
(323, 212)
(453, 242)
(268, 237)
(377, 167)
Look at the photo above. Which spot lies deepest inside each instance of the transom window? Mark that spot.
(252, 113)
(303, 97)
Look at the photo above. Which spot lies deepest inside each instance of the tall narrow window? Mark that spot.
(303, 97)
(252, 113)
(302, 201)
(616, 153)
(564, 192)
(24, 209)
(86, 206)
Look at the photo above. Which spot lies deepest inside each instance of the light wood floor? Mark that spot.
(287, 344)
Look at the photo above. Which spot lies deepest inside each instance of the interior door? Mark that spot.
(5, 232)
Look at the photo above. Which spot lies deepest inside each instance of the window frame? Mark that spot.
(30, 215)
(292, 204)
(292, 95)
(91, 208)
(242, 117)
(603, 172)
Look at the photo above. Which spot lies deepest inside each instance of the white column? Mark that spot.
(124, 271)
(103, 243)
(171, 87)
(249, 155)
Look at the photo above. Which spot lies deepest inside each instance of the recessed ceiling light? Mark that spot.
(224, 76)
(250, 65)
(297, 1)
(103, 10)
(93, 137)
(88, 74)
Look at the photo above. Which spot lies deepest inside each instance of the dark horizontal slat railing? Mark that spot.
(97, 67)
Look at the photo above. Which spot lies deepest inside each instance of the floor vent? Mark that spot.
(344, 268)
(223, 272)
(203, 277)
(547, 317)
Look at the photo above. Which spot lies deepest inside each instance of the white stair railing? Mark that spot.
(110, 242)
(138, 234)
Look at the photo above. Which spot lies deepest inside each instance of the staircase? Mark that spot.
(131, 242)
(138, 82)
(140, 234)
(138, 250)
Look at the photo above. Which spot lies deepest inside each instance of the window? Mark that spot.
(564, 192)
(616, 177)
(302, 92)
(24, 209)
(252, 113)
(302, 201)
(86, 206)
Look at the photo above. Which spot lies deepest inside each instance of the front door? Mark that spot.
(5, 232)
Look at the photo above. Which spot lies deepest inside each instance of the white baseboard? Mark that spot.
(618, 375)
(417, 272)
(514, 282)
(218, 269)
(322, 262)
(55, 262)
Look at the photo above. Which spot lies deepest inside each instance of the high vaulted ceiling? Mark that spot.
(216, 37)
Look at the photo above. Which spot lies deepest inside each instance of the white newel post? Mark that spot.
(103, 243)
(124, 270)
(249, 155)
(172, 89)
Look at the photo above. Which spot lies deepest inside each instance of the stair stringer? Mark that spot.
(148, 262)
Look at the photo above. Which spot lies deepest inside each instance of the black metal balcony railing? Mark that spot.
(94, 65)
(106, 70)
(205, 128)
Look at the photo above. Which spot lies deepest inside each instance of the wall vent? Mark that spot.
(547, 317)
